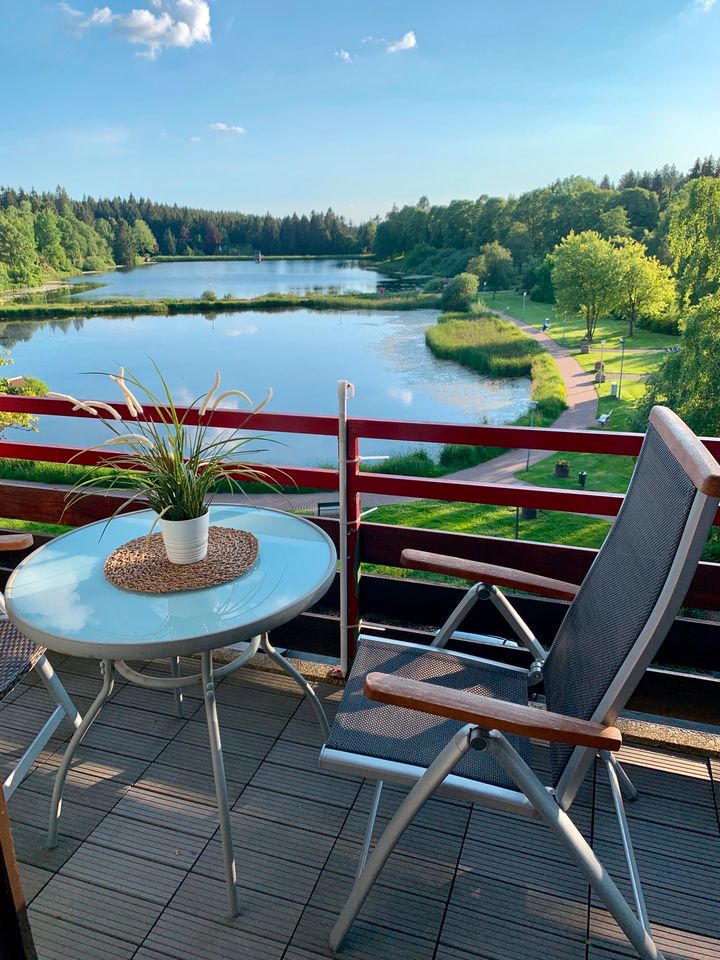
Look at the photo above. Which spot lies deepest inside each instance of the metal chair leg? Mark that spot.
(445, 761)
(629, 790)
(370, 826)
(177, 692)
(106, 669)
(576, 846)
(221, 793)
(57, 691)
(615, 790)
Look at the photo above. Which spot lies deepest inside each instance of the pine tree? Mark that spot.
(124, 250)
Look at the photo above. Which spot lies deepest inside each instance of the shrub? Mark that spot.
(460, 292)
(209, 295)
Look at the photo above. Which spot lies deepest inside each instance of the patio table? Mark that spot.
(60, 598)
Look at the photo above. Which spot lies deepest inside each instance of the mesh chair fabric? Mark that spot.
(18, 656)
(620, 589)
(392, 733)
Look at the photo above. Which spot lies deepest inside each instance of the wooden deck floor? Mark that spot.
(138, 871)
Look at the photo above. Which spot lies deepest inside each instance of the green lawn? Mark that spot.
(636, 363)
(574, 327)
(605, 473)
(491, 521)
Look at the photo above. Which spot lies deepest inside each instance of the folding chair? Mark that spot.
(454, 723)
(18, 656)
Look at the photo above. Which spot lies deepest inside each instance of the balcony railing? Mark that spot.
(674, 686)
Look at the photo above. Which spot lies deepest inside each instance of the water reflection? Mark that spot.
(301, 354)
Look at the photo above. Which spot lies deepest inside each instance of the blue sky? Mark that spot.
(286, 105)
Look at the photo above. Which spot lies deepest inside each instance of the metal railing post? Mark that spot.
(348, 466)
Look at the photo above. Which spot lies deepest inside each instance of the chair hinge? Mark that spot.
(535, 673)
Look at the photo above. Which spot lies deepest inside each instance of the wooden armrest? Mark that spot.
(489, 713)
(16, 541)
(489, 573)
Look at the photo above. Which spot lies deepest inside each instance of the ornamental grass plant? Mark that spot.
(175, 466)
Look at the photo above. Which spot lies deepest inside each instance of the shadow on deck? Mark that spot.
(138, 870)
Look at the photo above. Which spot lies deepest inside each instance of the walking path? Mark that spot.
(582, 401)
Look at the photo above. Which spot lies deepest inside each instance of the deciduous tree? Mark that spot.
(460, 292)
(645, 286)
(585, 275)
(694, 239)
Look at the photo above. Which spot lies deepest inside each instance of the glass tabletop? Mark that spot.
(59, 596)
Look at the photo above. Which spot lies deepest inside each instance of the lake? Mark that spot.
(301, 354)
(240, 278)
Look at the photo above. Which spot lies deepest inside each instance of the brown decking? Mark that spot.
(137, 873)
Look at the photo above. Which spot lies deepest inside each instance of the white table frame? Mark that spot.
(207, 677)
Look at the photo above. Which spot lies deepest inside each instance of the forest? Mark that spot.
(47, 235)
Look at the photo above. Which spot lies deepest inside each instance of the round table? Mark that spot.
(59, 597)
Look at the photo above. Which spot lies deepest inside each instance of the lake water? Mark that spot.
(301, 354)
(240, 278)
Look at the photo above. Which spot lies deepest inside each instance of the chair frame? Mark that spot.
(65, 709)
(487, 720)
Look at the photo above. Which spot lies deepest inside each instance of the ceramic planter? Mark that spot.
(186, 541)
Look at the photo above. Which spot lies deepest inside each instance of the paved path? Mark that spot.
(581, 413)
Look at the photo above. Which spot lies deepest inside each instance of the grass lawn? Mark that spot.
(605, 473)
(491, 521)
(636, 363)
(608, 330)
(32, 527)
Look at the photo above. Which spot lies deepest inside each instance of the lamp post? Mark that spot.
(564, 318)
(533, 404)
(524, 298)
(622, 362)
(484, 286)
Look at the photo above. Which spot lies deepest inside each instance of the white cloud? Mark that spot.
(407, 42)
(227, 128)
(705, 6)
(343, 55)
(170, 23)
(195, 139)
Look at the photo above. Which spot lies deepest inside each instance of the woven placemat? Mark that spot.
(142, 566)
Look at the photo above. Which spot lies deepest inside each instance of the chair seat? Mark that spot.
(400, 735)
(18, 656)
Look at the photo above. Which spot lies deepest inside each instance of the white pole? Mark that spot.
(346, 391)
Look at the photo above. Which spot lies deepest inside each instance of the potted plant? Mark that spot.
(174, 466)
(562, 468)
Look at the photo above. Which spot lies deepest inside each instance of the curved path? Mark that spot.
(582, 401)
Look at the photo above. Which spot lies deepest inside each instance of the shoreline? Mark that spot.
(169, 307)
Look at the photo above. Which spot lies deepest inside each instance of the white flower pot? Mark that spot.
(186, 541)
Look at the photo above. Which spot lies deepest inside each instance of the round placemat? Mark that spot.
(142, 566)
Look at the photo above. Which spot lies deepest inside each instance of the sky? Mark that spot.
(289, 105)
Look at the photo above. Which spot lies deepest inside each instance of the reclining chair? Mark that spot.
(456, 724)
(18, 656)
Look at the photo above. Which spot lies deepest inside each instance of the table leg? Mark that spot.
(221, 793)
(106, 669)
(304, 685)
(177, 692)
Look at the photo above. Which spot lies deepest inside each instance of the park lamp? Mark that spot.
(532, 406)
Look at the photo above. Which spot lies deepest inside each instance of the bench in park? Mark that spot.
(603, 418)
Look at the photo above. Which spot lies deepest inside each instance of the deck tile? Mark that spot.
(182, 936)
(108, 912)
(138, 872)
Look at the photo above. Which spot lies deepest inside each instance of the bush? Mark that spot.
(209, 295)
(460, 292)
(497, 348)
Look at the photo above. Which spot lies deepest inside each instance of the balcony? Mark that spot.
(138, 871)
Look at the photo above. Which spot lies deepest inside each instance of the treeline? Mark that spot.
(442, 240)
(46, 235)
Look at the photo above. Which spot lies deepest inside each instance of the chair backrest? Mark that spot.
(634, 588)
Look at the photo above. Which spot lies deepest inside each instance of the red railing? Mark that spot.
(366, 541)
